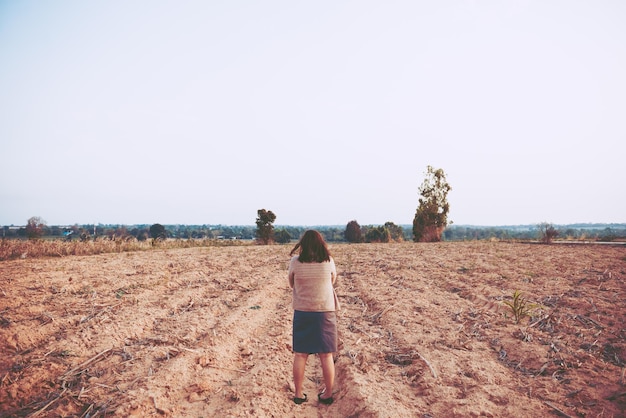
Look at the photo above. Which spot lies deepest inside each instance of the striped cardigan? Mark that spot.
(312, 285)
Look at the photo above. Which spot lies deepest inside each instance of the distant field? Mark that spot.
(424, 331)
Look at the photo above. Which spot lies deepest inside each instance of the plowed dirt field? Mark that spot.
(423, 332)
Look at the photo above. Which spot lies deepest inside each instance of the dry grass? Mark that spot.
(11, 249)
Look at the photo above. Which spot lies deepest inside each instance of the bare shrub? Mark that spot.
(547, 232)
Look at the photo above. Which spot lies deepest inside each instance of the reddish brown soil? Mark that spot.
(423, 333)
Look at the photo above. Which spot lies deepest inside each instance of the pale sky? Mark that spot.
(203, 112)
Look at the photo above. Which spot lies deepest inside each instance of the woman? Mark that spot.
(312, 274)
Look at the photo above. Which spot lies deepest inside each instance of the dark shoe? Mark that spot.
(325, 401)
(299, 401)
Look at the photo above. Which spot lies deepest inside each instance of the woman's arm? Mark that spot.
(291, 274)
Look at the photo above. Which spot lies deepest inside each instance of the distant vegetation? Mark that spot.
(430, 224)
(59, 241)
(570, 232)
(333, 233)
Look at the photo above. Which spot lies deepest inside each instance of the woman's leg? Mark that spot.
(299, 364)
(328, 370)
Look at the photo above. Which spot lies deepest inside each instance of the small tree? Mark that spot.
(34, 227)
(395, 231)
(157, 232)
(353, 232)
(377, 234)
(547, 232)
(264, 226)
(282, 236)
(431, 216)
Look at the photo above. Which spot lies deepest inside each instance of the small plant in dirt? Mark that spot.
(520, 306)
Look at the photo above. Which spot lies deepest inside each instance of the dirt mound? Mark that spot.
(423, 331)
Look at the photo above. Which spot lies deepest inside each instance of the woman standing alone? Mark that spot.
(312, 274)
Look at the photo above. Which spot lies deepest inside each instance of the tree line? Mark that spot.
(430, 224)
(352, 232)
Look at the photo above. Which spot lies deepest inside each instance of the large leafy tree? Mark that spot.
(264, 226)
(353, 232)
(431, 216)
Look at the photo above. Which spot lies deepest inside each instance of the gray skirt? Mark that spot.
(314, 332)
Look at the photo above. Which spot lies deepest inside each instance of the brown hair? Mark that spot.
(311, 248)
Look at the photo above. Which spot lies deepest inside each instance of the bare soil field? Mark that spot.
(423, 332)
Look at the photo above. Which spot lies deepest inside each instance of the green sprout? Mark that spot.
(520, 306)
